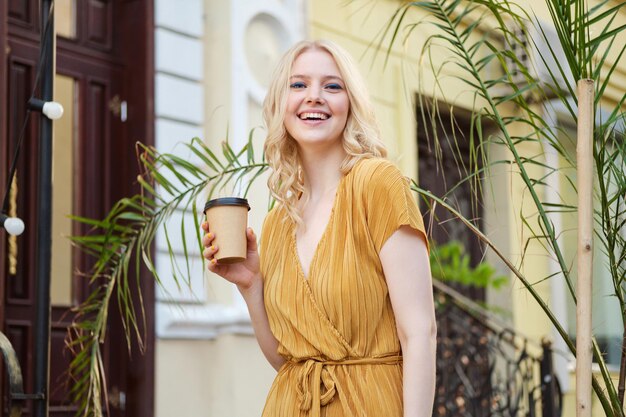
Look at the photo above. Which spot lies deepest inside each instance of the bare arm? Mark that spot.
(404, 258)
(247, 276)
(260, 323)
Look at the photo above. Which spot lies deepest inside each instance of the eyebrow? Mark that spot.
(324, 77)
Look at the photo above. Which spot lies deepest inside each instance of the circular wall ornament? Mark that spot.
(265, 41)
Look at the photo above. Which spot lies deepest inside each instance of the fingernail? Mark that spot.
(213, 261)
(212, 248)
(209, 235)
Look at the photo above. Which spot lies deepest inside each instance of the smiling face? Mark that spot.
(317, 102)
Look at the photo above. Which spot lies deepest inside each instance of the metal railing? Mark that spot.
(14, 377)
(485, 369)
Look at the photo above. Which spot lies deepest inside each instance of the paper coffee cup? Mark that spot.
(228, 221)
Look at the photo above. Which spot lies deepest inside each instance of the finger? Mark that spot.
(212, 265)
(252, 243)
(210, 252)
(205, 226)
(207, 239)
(215, 267)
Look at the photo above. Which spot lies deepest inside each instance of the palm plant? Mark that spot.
(485, 41)
(121, 244)
(450, 263)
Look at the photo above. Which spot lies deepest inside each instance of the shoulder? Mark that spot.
(375, 172)
(272, 225)
(275, 215)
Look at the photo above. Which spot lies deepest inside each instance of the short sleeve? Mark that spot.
(390, 203)
(268, 231)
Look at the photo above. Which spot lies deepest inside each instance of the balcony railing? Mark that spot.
(486, 369)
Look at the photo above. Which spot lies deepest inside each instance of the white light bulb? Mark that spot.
(53, 110)
(14, 226)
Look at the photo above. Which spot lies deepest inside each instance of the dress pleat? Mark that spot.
(336, 327)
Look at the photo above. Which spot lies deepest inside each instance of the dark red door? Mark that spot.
(93, 165)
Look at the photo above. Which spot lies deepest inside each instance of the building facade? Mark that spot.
(177, 69)
(246, 40)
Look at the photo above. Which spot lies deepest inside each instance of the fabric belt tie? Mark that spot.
(316, 372)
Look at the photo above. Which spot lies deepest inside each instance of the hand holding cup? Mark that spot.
(233, 255)
(244, 274)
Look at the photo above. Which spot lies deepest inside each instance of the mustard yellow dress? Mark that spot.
(336, 327)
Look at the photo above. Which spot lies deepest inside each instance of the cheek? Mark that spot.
(345, 112)
(293, 101)
(291, 108)
(289, 125)
(344, 105)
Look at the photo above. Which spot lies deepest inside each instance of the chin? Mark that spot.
(318, 142)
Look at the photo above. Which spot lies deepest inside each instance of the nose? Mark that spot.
(314, 98)
(314, 95)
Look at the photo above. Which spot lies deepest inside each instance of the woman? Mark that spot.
(341, 297)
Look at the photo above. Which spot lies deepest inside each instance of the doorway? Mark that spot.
(103, 64)
(448, 156)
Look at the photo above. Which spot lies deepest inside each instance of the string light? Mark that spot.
(51, 109)
(13, 225)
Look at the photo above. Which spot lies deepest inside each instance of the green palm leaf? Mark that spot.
(121, 243)
(505, 25)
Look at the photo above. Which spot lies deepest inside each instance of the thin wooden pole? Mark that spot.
(584, 157)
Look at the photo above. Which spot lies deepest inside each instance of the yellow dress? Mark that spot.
(336, 328)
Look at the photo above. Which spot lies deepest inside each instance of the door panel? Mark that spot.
(60, 359)
(20, 80)
(99, 30)
(22, 12)
(19, 281)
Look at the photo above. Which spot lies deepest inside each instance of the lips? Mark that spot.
(313, 115)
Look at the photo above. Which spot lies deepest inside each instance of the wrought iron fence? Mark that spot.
(485, 369)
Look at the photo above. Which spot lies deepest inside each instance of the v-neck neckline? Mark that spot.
(322, 239)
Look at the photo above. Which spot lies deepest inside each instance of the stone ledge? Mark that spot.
(200, 322)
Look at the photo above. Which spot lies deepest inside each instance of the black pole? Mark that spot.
(550, 392)
(44, 219)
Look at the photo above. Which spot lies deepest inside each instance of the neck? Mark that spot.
(322, 171)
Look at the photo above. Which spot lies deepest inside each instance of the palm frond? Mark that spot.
(486, 50)
(120, 244)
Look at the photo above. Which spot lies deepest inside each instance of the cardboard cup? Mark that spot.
(228, 221)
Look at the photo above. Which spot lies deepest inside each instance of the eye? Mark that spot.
(334, 86)
(297, 85)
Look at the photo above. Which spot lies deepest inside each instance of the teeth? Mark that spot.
(318, 116)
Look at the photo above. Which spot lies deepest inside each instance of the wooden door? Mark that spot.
(93, 166)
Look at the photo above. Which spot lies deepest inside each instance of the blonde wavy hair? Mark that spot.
(361, 136)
